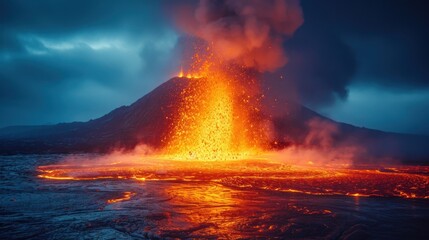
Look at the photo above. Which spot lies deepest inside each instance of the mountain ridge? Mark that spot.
(145, 121)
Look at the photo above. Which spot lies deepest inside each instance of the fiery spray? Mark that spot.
(215, 119)
(218, 113)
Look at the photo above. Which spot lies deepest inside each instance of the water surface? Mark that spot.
(36, 208)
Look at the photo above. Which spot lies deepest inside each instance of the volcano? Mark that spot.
(147, 122)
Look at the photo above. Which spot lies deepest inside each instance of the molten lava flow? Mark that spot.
(404, 181)
(126, 196)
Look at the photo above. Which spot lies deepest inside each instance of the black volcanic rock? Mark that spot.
(149, 118)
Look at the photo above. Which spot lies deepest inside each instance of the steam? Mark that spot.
(118, 156)
(247, 32)
(319, 148)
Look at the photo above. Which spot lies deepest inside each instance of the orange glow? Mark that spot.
(188, 75)
(405, 182)
(217, 200)
(126, 196)
(181, 74)
(214, 116)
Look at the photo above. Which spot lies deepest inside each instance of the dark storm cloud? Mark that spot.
(374, 42)
(380, 52)
(389, 37)
(62, 17)
(75, 60)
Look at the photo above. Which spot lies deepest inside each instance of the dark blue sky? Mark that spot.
(363, 62)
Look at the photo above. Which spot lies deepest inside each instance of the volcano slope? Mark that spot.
(147, 121)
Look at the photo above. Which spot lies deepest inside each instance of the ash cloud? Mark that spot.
(359, 42)
(249, 33)
(320, 69)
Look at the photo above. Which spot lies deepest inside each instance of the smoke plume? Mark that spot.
(249, 33)
(320, 148)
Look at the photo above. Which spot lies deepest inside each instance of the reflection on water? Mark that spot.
(212, 210)
(200, 206)
(201, 209)
(125, 196)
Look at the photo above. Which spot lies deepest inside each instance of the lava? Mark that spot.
(214, 117)
(126, 196)
(262, 174)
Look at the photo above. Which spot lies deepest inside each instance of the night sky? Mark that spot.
(363, 62)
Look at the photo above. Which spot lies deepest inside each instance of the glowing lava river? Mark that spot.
(406, 182)
(164, 199)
